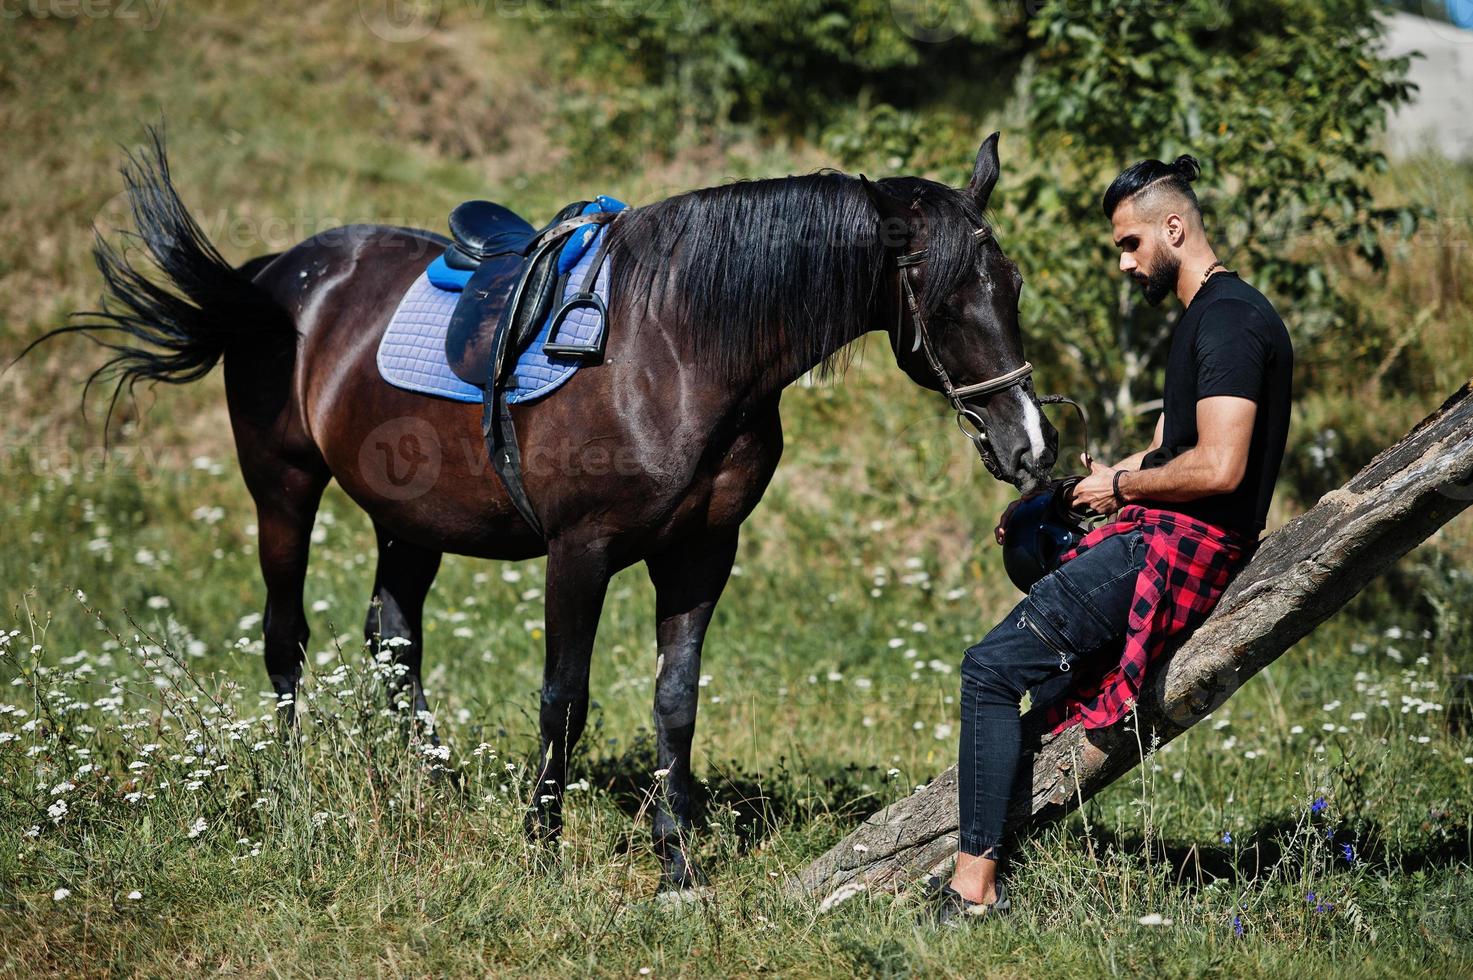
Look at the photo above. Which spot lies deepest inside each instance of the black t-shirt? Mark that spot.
(1230, 341)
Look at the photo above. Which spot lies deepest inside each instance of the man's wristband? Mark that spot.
(1115, 488)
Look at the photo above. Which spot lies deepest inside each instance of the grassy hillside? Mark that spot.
(832, 661)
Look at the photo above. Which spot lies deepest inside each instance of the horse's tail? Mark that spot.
(176, 330)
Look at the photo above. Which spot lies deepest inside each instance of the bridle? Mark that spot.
(971, 423)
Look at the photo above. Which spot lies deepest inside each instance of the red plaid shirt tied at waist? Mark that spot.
(1188, 565)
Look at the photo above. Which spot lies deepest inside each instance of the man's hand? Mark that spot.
(1097, 491)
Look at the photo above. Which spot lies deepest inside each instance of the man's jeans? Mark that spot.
(1073, 620)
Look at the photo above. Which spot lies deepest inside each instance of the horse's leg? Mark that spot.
(688, 581)
(400, 584)
(577, 579)
(285, 510)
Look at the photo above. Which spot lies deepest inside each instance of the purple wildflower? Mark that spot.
(1309, 898)
(1237, 925)
(1227, 838)
(1318, 805)
(1347, 852)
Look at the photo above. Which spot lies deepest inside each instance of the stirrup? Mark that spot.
(583, 352)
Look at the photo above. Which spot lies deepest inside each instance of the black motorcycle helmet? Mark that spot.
(1040, 529)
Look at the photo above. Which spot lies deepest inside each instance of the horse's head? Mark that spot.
(956, 315)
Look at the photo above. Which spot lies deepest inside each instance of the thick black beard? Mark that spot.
(1161, 281)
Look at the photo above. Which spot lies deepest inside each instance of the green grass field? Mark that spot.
(152, 822)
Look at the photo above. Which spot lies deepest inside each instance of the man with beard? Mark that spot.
(1187, 513)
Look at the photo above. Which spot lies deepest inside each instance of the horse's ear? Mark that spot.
(984, 174)
(895, 228)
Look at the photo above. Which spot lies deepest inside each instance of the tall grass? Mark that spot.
(157, 815)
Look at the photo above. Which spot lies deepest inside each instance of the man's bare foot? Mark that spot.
(975, 878)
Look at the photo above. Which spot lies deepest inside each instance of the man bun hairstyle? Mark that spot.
(1176, 177)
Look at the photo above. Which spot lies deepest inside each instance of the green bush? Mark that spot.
(1332, 436)
(1283, 101)
(648, 78)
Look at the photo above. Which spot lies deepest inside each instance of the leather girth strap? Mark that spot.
(497, 427)
(506, 457)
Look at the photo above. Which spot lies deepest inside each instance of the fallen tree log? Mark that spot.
(1301, 575)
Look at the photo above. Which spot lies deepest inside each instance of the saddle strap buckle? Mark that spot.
(584, 352)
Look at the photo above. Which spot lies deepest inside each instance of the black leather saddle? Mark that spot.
(514, 282)
(483, 230)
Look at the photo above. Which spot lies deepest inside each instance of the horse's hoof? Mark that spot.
(680, 875)
(541, 828)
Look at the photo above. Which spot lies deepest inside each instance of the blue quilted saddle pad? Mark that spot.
(411, 354)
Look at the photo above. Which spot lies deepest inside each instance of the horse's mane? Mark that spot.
(795, 264)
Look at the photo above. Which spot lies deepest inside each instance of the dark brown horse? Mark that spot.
(720, 298)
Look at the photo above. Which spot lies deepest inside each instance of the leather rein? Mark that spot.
(971, 423)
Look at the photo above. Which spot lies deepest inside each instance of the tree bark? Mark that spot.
(1300, 576)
